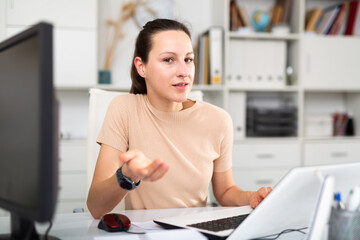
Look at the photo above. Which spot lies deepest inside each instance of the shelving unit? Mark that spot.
(325, 80)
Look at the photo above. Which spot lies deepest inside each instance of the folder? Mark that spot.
(257, 63)
(216, 57)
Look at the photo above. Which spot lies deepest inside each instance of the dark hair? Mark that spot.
(144, 44)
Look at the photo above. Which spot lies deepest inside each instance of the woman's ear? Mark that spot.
(140, 67)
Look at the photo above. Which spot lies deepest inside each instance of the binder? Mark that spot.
(211, 56)
(216, 57)
(257, 63)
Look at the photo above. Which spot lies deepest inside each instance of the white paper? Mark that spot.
(178, 234)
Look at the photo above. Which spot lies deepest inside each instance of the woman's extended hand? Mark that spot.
(138, 167)
(256, 198)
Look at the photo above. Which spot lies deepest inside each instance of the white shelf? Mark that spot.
(341, 139)
(331, 90)
(208, 87)
(264, 36)
(264, 89)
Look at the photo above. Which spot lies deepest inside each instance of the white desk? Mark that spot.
(81, 226)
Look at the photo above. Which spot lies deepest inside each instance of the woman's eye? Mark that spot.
(188, 60)
(168, 60)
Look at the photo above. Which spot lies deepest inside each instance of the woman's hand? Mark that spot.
(256, 197)
(138, 167)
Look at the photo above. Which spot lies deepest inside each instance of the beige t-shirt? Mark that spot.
(195, 142)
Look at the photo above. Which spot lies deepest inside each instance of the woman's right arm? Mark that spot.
(105, 192)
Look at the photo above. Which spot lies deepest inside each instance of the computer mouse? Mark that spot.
(114, 222)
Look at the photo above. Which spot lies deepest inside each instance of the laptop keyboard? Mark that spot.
(220, 224)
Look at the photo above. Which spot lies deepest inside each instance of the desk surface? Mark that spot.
(81, 226)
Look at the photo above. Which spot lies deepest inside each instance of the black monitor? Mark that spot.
(28, 130)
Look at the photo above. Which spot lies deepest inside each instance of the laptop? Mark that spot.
(289, 206)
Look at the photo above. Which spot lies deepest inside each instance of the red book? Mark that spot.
(339, 19)
(353, 11)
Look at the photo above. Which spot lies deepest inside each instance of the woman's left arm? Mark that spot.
(228, 194)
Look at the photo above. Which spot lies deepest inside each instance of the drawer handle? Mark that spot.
(265, 156)
(264, 182)
(339, 154)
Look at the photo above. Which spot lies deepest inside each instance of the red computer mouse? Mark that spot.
(114, 222)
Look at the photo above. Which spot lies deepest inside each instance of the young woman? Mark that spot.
(159, 148)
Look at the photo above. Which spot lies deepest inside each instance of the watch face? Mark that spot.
(126, 185)
(154, 9)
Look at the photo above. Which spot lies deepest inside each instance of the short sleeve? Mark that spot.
(224, 162)
(114, 131)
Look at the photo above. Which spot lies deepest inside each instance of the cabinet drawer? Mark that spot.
(266, 155)
(331, 153)
(72, 186)
(252, 180)
(72, 156)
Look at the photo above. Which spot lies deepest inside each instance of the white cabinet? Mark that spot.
(259, 164)
(72, 175)
(75, 35)
(238, 114)
(266, 155)
(62, 13)
(253, 180)
(2, 20)
(338, 70)
(331, 152)
(75, 58)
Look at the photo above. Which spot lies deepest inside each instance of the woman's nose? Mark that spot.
(183, 70)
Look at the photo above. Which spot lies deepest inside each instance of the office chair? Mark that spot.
(99, 101)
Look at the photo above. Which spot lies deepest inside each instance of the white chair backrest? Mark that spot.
(99, 101)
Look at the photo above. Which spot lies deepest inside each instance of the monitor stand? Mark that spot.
(23, 229)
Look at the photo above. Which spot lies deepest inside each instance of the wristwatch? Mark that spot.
(124, 182)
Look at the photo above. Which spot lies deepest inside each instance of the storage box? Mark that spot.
(318, 125)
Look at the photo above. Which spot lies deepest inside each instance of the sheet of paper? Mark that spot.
(177, 234)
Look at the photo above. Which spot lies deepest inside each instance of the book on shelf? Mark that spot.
(327, 19)
(244, 16)
(334, 30)
(311, 18)
(352, 18)
(235, 19)
(203, 60)
(210, 50)
(279, 13)
(285, 4)
(239, 19)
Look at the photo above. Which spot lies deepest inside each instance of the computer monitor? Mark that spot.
(28, 130)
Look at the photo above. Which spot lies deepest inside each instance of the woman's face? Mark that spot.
(169, 72)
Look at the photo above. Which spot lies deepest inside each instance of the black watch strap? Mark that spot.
(124, 182)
